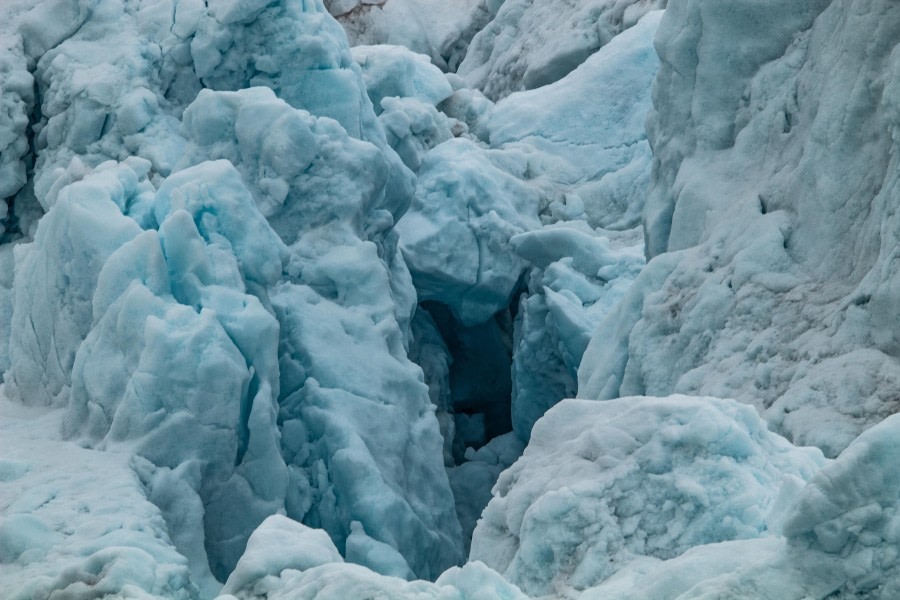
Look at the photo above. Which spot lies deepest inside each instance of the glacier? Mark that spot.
(469, 300)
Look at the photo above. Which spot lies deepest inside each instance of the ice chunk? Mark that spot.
(395, 71)
(278, 544)
(603, 483)
(413, 128)
(466, 208)
(534, 43)
(52, 311)
(588, 130)
(578, 277)
(441, 30)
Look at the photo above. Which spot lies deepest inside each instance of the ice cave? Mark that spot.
(449, 299)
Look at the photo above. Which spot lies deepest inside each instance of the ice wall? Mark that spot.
(770, 219)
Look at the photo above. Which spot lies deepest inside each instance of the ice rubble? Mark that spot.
(602, 483)
(770, 218)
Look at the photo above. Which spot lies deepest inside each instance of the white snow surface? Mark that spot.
(77, 522)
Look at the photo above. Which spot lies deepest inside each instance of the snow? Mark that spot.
(62, 534)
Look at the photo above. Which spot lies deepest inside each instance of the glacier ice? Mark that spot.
(303, 310)
(529, 43)
(602, 483)
(769, 220)
(438, 29)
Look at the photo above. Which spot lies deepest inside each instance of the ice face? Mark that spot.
(757, 196)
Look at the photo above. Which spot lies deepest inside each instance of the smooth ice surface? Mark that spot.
(771, 219)
(530, 43)
(603, 483)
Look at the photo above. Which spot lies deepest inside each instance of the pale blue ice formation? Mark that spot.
(281, 318)
(603, 483)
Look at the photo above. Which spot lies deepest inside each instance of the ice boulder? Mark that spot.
(52, 308)
(395, 71)
(468, 203)
(850, 512)
(839, 541)
(768, 167)
(171, 310)
(532, 43)
(604, 483)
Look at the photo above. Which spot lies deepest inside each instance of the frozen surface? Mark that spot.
(771, 219)
(603, 483)
(530, 43)
(62, 535)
